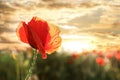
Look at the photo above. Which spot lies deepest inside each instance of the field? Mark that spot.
(61, 66)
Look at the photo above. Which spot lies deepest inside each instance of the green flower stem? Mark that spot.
(32, 65)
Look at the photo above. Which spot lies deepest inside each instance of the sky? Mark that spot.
(84, 24)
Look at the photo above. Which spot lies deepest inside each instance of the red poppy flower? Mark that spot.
(100, 53)
(100, 61)
(70, 61)
(110, 55)
(75, 55)
(94, 51)
(117, 56)
(40, 35)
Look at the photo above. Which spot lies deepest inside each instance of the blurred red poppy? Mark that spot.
(70, 61)
(110, 55)
(94, 51)
(100, 61)
(75, 55)
(117, 56)
(40, 35)
(97, 52)
(100, 53)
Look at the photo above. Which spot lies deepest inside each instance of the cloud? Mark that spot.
(87, 19)
(73, 21)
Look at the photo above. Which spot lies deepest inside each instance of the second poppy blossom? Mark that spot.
(100, 61)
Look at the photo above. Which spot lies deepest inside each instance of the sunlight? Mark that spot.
(77, 46)
(77, 43)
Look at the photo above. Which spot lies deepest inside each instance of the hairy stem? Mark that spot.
(32, 65)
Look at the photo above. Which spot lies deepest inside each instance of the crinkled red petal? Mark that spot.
(40, 32)
(21, 33)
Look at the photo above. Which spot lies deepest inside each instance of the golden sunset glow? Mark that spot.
(75, 43)
(77, 46)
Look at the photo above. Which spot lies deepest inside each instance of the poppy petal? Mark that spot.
(55, 40)
(21, 32)
(38, 44)
(41, 28)
(53, 29)
(40, 32)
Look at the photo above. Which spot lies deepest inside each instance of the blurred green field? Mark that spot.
(58, 66)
